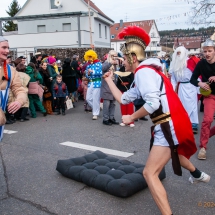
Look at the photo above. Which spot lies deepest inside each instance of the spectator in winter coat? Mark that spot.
(34, 98)
(60, 94)
(106, 95)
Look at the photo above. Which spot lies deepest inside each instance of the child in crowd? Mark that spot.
(47, 101)
(84, 84)
(60, 94)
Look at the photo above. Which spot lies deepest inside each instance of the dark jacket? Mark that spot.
(69, 76)
(60, 90)
(105, 90)
(45, 75)
(128, 80)
(75, 67)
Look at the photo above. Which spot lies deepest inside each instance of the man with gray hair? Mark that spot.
(206, 68)
(181, 72)
(9, 79)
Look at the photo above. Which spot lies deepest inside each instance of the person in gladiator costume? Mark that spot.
(165, 110)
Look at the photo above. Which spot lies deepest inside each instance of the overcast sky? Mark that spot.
(136, 10)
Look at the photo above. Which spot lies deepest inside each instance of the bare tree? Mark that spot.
(203, 12)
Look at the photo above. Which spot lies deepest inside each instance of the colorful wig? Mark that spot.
(90, 53)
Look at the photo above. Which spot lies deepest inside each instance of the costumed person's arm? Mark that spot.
(125, 98)
(86, 71)
(195, 76)
(173, 81)
(147, 82)
(113, 88)
(97, 69)
(18, 91)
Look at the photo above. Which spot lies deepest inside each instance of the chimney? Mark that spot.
(121, 23)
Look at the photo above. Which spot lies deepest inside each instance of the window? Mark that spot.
(53, 6)
(152, 35)
(194, 49)
(112, 36)
(105, 32)
(100, 31)
(117, 28)
(66, 26)
(41, 28)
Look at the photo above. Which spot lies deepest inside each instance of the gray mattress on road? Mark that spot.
(120, 178)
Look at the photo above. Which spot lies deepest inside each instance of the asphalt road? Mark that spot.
(30, 185)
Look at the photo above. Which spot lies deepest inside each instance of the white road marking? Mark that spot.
(9, 132)
(94, 148)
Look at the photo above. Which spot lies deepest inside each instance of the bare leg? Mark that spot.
(186, 163)
(158, 157)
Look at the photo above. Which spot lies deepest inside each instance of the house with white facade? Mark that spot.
(148, 25)
(43, 24)
(192, 44)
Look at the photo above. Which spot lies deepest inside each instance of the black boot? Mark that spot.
(63, 112)
(9, 122)
(107, 122)
(24, 114)
(113, 121)
(144, 118)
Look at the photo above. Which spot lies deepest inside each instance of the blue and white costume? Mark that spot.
(94, 86)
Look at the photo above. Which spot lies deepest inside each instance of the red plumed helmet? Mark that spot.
(135, 31)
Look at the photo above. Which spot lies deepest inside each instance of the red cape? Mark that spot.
(181, 122)
(192, 62)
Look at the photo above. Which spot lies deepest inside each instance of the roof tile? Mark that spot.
(116, 28)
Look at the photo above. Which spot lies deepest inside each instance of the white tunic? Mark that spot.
(187, 94)
(147, 86)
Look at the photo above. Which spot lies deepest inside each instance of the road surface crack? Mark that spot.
(9, 195)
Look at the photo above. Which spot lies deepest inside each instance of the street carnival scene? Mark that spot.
(107, 107)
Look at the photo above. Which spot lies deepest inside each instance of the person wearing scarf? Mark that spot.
(9, 79)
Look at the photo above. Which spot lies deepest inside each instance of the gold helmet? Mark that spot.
(136, 42)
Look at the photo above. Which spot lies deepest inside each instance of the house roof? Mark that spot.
(116, 28)
(190, 42)
(92, 5)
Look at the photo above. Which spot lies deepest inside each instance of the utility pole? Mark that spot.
(1, 28)
(91, 39)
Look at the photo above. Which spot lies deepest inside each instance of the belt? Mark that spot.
(184, 82)
(95, 79)
(165, 117)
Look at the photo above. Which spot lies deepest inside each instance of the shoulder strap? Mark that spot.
(161, 86)
(156, 70)
(4, 98)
